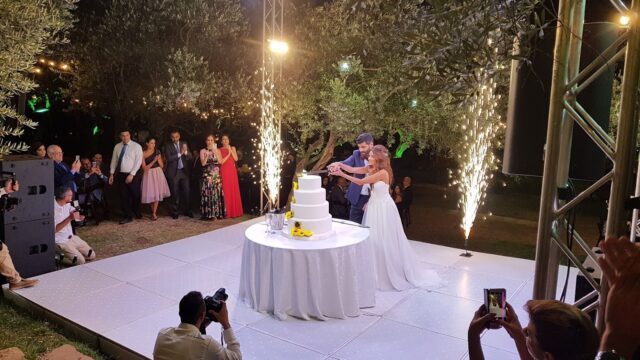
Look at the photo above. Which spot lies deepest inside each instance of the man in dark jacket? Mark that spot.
(63, 174)
(178, 162)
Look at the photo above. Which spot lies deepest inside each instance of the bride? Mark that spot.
(395, 265)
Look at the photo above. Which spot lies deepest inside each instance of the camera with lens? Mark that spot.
(215, 302)
(8, 203)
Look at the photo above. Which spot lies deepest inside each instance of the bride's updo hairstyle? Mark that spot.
(383, 161)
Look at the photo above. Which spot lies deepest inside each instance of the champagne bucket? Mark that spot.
(275, 220)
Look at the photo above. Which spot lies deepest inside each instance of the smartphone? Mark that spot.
(93, 164)
(77, 157)
(76, 204)
(495, 301)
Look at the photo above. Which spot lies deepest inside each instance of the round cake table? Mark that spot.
(308, 278)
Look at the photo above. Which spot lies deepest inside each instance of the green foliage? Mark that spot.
(27, 29)
(161, 62)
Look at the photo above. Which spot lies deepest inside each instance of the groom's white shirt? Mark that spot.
(366, 188)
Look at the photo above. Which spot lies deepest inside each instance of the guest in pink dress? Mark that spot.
(154, 184)
(229, 172)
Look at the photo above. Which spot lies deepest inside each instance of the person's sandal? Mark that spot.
(24, 283)
(154, 217)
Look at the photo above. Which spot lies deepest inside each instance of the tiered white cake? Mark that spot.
(311, 208)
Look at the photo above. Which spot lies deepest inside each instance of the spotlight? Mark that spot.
(624, 20)
(413, 103)
(278, 47)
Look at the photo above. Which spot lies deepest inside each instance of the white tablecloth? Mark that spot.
(303, 278)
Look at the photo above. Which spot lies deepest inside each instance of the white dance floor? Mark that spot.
(120, 303)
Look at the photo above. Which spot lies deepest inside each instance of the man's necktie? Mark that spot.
(180, 165)
(124, 149)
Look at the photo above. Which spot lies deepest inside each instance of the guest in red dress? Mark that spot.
(230, 186)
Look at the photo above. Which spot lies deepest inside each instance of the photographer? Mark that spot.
(189, 340)
(556, 331)
(6, 264)
(75, 250)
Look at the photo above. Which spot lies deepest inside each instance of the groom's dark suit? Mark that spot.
(356, 199)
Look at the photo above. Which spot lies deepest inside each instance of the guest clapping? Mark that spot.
(212, 204)
(178, 158)
(229, 173)
(621, 267)
(154, 184)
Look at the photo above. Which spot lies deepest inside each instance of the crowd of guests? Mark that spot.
(339, 205)
(149, 173)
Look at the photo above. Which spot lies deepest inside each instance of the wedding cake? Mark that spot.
(309, 207)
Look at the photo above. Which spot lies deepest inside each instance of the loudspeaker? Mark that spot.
(582, 285)
(530, 91)
(32, 246)
(35, 177)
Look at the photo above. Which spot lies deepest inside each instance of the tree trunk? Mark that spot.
(326, 154)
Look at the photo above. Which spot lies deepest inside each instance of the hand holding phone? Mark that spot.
(495, 301)
(78, 158)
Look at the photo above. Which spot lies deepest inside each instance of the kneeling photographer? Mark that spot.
(189, 340)
(6, 264)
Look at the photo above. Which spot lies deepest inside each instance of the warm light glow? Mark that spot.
(52, 63)
(345, 66)
(42, 61)
(624, 20)
(278, 47)
(481, 124)
(64, 67)
(37, 70)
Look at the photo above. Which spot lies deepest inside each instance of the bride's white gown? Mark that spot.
(396, 267)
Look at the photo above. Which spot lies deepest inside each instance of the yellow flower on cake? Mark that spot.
(288, 215)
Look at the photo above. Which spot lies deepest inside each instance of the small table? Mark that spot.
(330, 278)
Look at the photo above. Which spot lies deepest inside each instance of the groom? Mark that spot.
(356, 194)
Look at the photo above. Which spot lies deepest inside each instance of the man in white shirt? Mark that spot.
(125, 163)
(75, 250)
(189, 341)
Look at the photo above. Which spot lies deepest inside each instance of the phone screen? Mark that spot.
(495, 301)
(77, 157)
(76, 204)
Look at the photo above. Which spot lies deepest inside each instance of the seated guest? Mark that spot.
(63, 174)
(621, 266)
(556, 331)
(74, 249)
(97, 158)
(91, 188)
(338, 203)
(189, 340)
(39, 150)
(6, 264)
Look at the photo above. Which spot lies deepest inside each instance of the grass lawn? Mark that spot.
(36, 336)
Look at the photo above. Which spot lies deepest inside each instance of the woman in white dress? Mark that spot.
(395, 265)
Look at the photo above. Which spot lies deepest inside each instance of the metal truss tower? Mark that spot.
(564, 111)
(270, 125)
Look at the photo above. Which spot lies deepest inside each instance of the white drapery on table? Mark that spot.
(304, 278)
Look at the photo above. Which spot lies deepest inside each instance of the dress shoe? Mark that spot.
(125, 221)
(189, 214)
(175, 216)
(24, 283)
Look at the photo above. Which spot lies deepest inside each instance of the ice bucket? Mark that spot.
(275, 220)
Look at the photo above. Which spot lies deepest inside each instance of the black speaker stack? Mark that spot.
(28, 229)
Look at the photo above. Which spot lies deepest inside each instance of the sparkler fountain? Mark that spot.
(480, 127)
